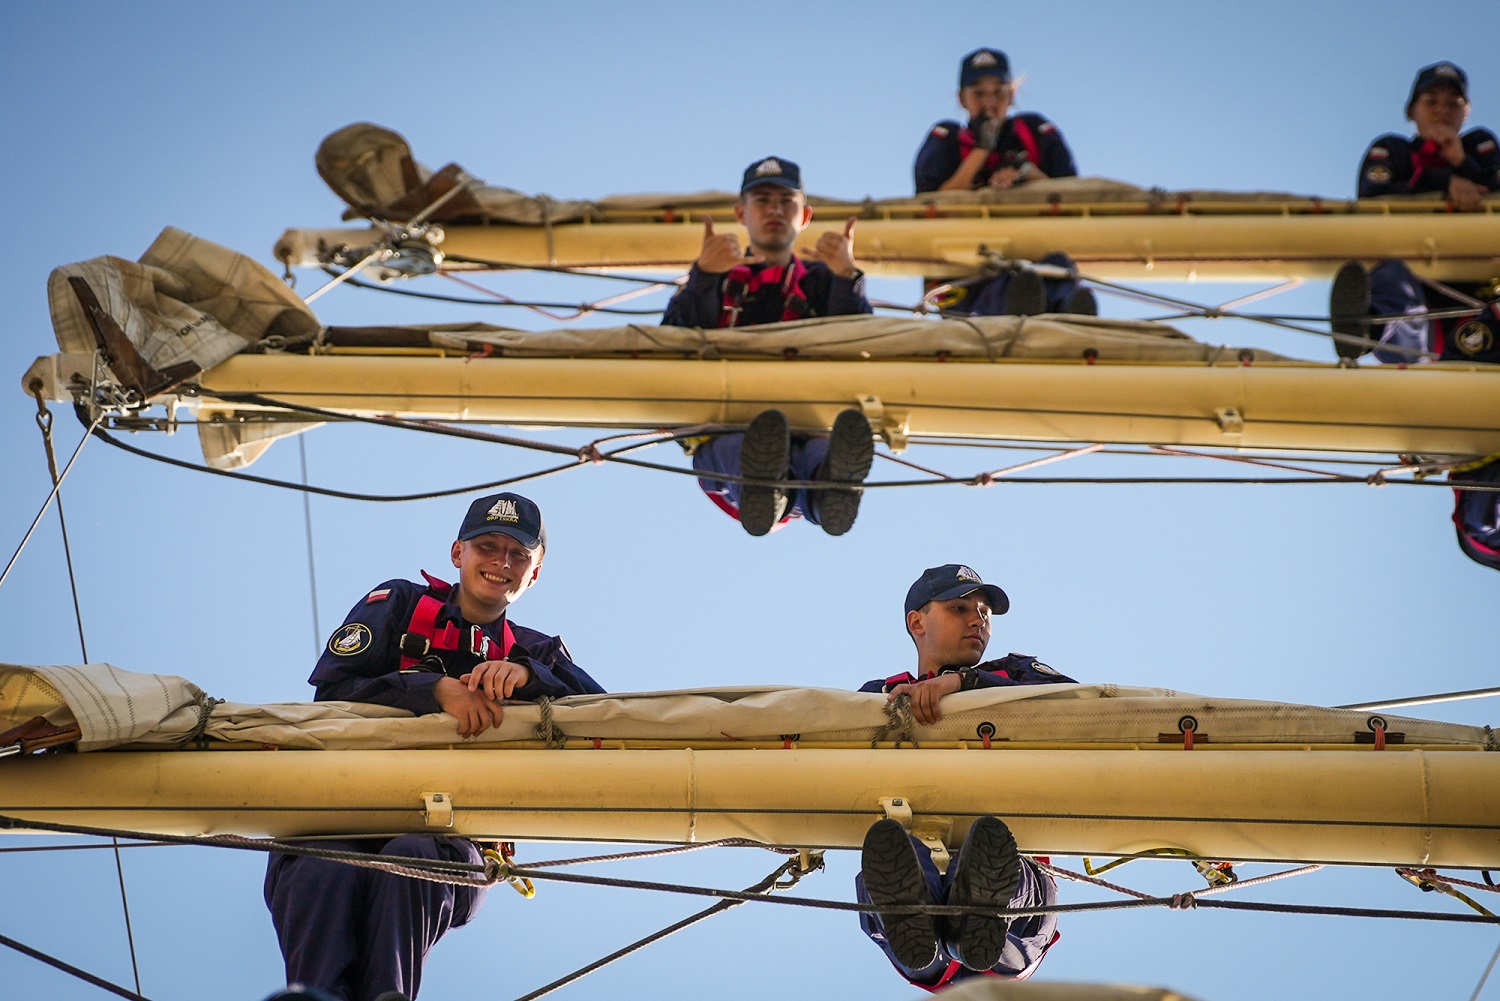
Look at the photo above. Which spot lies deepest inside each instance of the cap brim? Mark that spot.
(529, 541)
(999, 601)
(778, 181)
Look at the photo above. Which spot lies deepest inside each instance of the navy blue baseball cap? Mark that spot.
(772, 170)
(953, 580)
(508, 514)
(1438, 75)
(983, 63)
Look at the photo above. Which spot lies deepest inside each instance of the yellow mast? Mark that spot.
(1441, 408)
(1129, 241)
(1398, 806)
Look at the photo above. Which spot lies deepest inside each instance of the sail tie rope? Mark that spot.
(204, 704)
(898, 722)
(547, 729)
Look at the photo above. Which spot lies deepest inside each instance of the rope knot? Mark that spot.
(1184, 902)
(898, 722)
(591, 453)
(547, 730)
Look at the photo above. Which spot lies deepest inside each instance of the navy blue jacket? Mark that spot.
(699, 302)
(942, 152)
(1393, 165)
(1010, 670)
(361, 662)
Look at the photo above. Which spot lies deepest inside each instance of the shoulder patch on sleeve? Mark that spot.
(380, 595)
(1037, 665)
(1047, 127)
(1485, 147)
(940, 130)
(1379, 173)
(351, 638)
(1378, 153)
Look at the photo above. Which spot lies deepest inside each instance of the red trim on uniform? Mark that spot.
(746, 281)
(1028, 139)
(424, 623)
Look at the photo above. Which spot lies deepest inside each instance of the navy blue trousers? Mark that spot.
(357, 932)
(1027, 940)
(1395, 291)
(721, 454)
(988, 298)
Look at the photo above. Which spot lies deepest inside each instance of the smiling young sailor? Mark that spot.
(359, 933)
(948, 613)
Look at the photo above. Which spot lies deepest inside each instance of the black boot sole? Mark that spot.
(1348, 305)
(894, 876)
(1026, 295)
(765, 454)
(851, 451)
(988, 873)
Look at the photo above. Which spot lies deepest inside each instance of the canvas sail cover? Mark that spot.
(113, 707)
(373, 170)
(190, 301)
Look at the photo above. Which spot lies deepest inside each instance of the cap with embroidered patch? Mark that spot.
(772, 170)
(953, 580)
(508, 514)
(1438, 75)
(982, 63)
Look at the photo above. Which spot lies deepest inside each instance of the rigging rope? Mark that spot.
(312, 576)
(764, 886)
(83, 975)
(590, 455)
(56, 486)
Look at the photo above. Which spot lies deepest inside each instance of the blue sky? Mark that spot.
(123, 119)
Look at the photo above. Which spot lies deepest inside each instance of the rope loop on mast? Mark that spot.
(547, 729)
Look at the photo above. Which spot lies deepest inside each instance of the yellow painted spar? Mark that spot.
(1137, 242)
(1439, 408)
(1398, 806)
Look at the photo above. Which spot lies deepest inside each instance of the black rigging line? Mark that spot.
(312, 577)
(762, 887)
(44, 422)
(326, 491)
(465, 300)
(588, 455)
(558, 269)
(84, 975)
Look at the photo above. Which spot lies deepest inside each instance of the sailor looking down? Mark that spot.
(948, 614)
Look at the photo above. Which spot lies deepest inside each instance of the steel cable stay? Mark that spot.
(496, 869)
(591, 454)
(1187, 309)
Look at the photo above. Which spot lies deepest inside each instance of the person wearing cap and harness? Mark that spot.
(948, 613)
(768, 283)
(1463, 166)
(425, 647)
(997, 149)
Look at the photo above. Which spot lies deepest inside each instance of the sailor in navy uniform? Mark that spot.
(996, 148)
(948, 613)
(999, 149)
(1464, 167)
(768, 283)
(428, 648)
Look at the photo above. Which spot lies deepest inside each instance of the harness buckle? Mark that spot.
(415, 645)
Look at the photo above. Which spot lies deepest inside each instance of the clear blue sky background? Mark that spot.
(120, 119)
